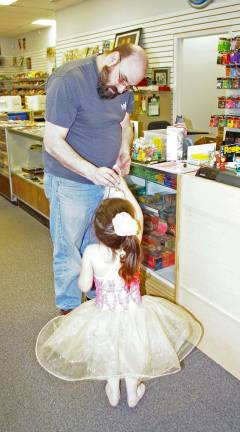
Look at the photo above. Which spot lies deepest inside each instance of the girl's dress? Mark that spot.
(119, 333)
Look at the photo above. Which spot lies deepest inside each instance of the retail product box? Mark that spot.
(174, 148)
(163, 204)
(22, 115)
(35, 102)
(10, 103)
(231, 152)
(158, 261)
(158, 242)
(137, 128)
(201, 154)
(157, 138)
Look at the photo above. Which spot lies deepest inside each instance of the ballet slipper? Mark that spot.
(113, 400)
(140, 392)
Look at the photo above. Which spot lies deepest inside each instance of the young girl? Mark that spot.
(118, 335)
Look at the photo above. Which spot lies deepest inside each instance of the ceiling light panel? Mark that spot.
(44, 22)
(7, 2)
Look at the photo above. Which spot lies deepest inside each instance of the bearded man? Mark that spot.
(87, 132)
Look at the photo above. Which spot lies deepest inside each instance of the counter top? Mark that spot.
(35, 132)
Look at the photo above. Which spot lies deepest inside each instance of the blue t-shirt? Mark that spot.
(94, 123)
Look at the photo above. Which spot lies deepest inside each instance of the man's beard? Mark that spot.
(106, 91)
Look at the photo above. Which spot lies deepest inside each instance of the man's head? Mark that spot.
(121, 69)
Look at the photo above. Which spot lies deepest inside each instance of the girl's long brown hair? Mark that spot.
(130, 262)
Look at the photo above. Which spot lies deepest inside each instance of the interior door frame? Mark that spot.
(177, 61)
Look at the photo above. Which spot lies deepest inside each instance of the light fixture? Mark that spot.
(7, 2)
(44, 22)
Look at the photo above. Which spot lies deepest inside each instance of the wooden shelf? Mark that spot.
(31, 194)
(5, 186)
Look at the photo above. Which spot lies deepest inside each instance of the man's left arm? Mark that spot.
(124, 158)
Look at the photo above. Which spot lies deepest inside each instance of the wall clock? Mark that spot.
(199, 3)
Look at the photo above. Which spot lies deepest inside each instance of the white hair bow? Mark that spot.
(125, 225)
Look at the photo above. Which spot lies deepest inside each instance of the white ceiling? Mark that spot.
(16, 19)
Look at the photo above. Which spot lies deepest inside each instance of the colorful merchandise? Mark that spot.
(150, 148)
(228, 83)
(158, 240)
(163, 178)
(229, 121)
(230, 151)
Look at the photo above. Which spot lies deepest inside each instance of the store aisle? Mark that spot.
(202, 397)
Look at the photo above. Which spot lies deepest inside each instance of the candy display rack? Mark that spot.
(229, 101)
(155, 190)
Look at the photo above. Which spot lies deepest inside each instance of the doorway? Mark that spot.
(196, 72)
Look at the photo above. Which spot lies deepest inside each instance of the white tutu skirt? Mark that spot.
(144, 341)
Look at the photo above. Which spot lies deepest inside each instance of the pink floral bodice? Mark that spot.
(112, 292)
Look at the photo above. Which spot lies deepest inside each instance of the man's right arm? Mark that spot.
(56, 145)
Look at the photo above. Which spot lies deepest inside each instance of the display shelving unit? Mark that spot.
(4, 165)
(22, 86)
(5, 173)
(229, 103)
(159, 282)
(25, 154)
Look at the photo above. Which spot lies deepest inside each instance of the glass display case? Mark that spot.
(155, 187)
(4, 168)
(155, 190)
(5, 183)
(26, 166)
(204, 278)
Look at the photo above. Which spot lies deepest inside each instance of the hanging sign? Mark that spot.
(199, 3)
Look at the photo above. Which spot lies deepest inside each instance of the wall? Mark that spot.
(96, 14)
(36, 45)
(8, 50)
(198, 94)
(88, 24)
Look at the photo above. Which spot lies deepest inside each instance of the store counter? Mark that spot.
(208, 219)
(26, 166)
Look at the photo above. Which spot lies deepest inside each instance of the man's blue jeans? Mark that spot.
(72, 208)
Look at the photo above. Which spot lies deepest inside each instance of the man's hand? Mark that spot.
(105, 177)
(123, 162)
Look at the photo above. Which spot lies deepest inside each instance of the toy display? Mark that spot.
(228, 55)
(159, 213)
(228, 82)
(230, 102)
(229, 121)
(228, 50)
(163, 178)
(150, 148)
(158, 250)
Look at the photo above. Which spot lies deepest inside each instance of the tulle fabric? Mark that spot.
(145, 340)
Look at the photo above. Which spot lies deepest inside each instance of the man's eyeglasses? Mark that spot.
(122, 79)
